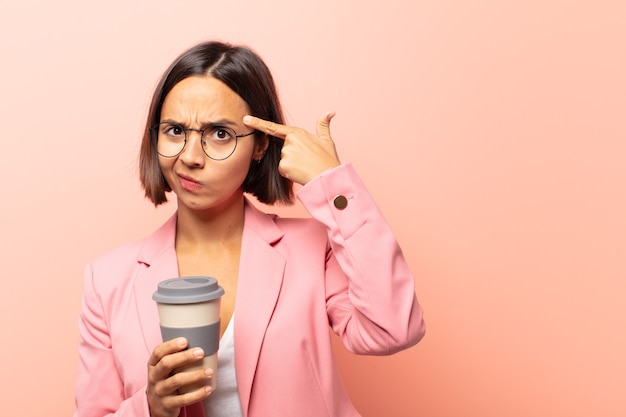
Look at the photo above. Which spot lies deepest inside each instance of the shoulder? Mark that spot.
(122, 255)
(113, 270)
(119, 264)
(273, 227)
(302, 229)
(297, 224)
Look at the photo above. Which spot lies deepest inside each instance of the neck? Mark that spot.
(213, 226)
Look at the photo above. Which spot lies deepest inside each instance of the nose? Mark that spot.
(193, 154)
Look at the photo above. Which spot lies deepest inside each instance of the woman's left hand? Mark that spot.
(304, 155)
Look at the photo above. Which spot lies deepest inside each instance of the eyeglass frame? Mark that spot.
(155, 128)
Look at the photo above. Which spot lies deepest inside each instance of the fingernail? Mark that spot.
(181, 342)
(208, 371)
(198, 352)
(247, 119)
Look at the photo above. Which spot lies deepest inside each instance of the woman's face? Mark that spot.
(201, 183)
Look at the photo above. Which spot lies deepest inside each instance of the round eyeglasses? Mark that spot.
(218, 142)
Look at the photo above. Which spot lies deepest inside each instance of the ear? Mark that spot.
(260, 147)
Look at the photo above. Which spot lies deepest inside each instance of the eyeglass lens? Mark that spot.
(218, 142)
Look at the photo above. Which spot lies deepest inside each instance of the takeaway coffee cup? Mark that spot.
(190, 307)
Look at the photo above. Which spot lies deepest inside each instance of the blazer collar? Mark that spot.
(260, 279)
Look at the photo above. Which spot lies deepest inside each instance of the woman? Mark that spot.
(214, 132)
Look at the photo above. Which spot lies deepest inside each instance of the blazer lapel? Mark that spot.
(260, 279)
(160, 263)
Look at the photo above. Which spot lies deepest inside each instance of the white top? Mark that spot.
(224, 401)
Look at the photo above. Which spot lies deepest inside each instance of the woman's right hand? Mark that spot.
(164, 399)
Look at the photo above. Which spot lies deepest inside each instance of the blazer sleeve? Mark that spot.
(370, 290)
(99, 387)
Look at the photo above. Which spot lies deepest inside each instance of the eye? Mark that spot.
(172, 130)
(222, 134)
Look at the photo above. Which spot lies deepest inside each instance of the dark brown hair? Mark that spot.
(244, 72)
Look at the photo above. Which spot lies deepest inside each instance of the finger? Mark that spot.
(177, 359)
(172, 363)
(192, 397)
(170, 346)
(185, 381)
(323, 125)
(271, 128)
(173, 402)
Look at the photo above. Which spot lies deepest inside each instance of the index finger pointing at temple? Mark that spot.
(274, 129)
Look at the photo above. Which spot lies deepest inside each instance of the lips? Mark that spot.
(188, 184)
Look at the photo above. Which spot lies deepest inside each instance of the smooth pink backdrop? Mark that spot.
(492, 134)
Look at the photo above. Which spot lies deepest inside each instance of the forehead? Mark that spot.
(202, 98)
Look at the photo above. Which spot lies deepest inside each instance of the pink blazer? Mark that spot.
(342, 268)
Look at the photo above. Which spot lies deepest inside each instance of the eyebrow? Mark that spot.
(204, 125)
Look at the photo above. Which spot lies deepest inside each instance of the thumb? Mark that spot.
(323, 125)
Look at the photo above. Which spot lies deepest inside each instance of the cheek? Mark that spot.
(165, 165)
(239, 168)
(162, 163)
(243, 156)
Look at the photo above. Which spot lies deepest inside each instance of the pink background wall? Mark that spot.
(492, 134)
